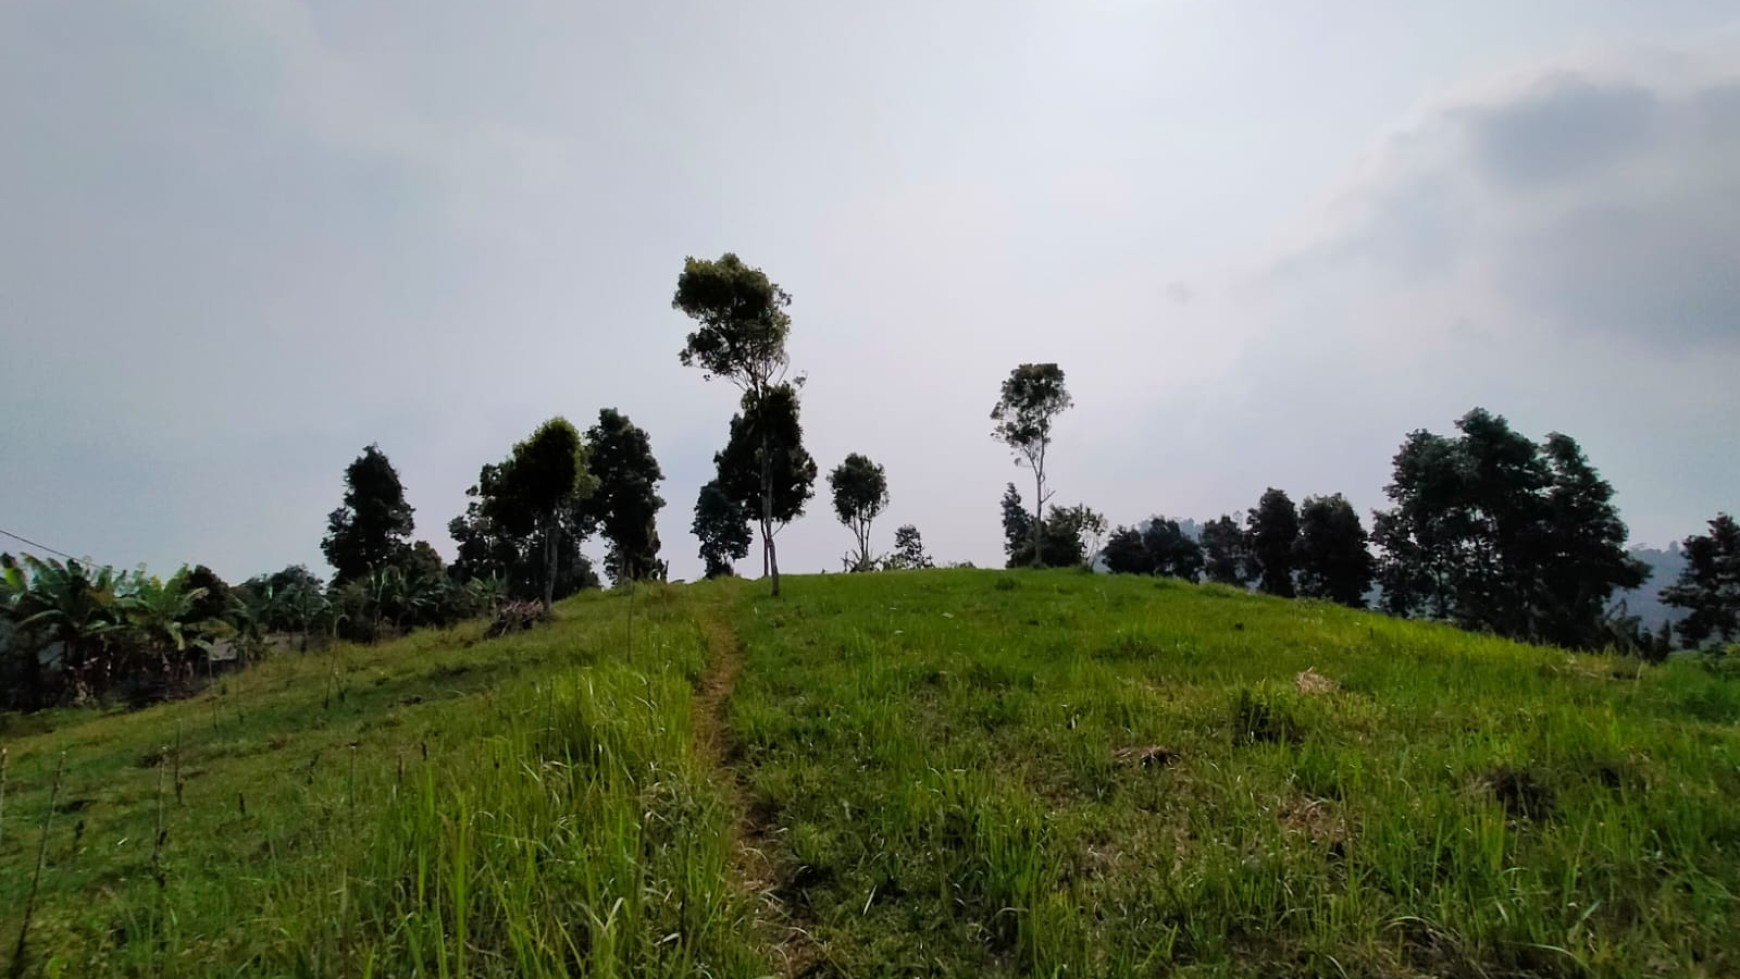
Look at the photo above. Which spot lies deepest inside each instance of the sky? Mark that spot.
(241, 241)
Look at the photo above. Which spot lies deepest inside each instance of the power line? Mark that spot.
(44, 547)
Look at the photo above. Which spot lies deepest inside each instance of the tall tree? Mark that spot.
(1424, 537)
(722, 526)
(741, 331)
(1332, 557)
(1033, 396)
(626, 503)
(909, 549)
(1125, 552)
(1274, 528)
(1709, 587)
(1495, 532)
(1226, 552)
(765, 466)
(1070, 535)
(547, 476)
(1173, 552)
(373, 525)
(1161, 547)
(1017, 524)
(1580, 557)
(860, 495)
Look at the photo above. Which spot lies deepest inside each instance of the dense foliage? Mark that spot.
(1495, 532)
(626, 503)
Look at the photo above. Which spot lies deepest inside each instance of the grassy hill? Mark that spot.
(924, 773)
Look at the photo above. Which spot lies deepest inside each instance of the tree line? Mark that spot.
(1487, 529)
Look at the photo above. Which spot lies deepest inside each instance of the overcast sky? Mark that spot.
(241, 240)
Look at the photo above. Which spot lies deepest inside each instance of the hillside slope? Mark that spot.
(943, 773)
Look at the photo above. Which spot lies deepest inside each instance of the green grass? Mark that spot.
(927, 773)
(437, 806)
(940, 755)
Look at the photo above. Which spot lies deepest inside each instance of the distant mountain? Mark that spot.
(1645, 602)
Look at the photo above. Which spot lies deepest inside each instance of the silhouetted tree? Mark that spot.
(1226, 552)
(1497, 533)
(909, 549)
(372, 526)
(860, 495)
(765, 452)
(1033, 396)
(547, 478)
(1332, 557)
(741, 336)
(216, 598)
(1065, 541)
(1172, 551)
(1274, 529)
(1578, 552)
(626, 503)
(1709, 587)
(1017, 524)
(1125, 553)
(722, 525)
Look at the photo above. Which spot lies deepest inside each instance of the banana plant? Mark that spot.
(76, 605)
(160, 614)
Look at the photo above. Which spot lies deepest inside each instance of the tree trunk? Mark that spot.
(1038, 516)
(549, 559)
(770, 557)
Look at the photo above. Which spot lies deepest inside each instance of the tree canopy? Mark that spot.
(722, 525)
(1274, 529)
(1332, 556)
(860, 489)
(740, 335)
(909, 549)
(374, 524)
(626, 503)
(543, 481)
(1709, 587)
(1032, 397)
(1497, 533)
(1226, 552)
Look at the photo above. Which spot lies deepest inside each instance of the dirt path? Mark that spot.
(755, 862)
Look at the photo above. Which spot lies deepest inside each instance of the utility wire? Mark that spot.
(44, 547)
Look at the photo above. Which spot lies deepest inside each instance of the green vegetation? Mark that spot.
(934, 772)
(1057, 774)
(440, 805)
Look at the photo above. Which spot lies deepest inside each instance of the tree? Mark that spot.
(1709, 587)
(722, 525)
(909, 549)
(1226, 552)
(500, 541)
(860, 495)
(1066, 540)
(626, 503)
(1017, 524)
(1125, 553)
(1580, 557)
(1495, 532)
(1032, 398)
(764, 463)
(372, 526)
(1274, 527)
(741, 334)
(1172, 551)
(547, 475)
(1332, 557)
